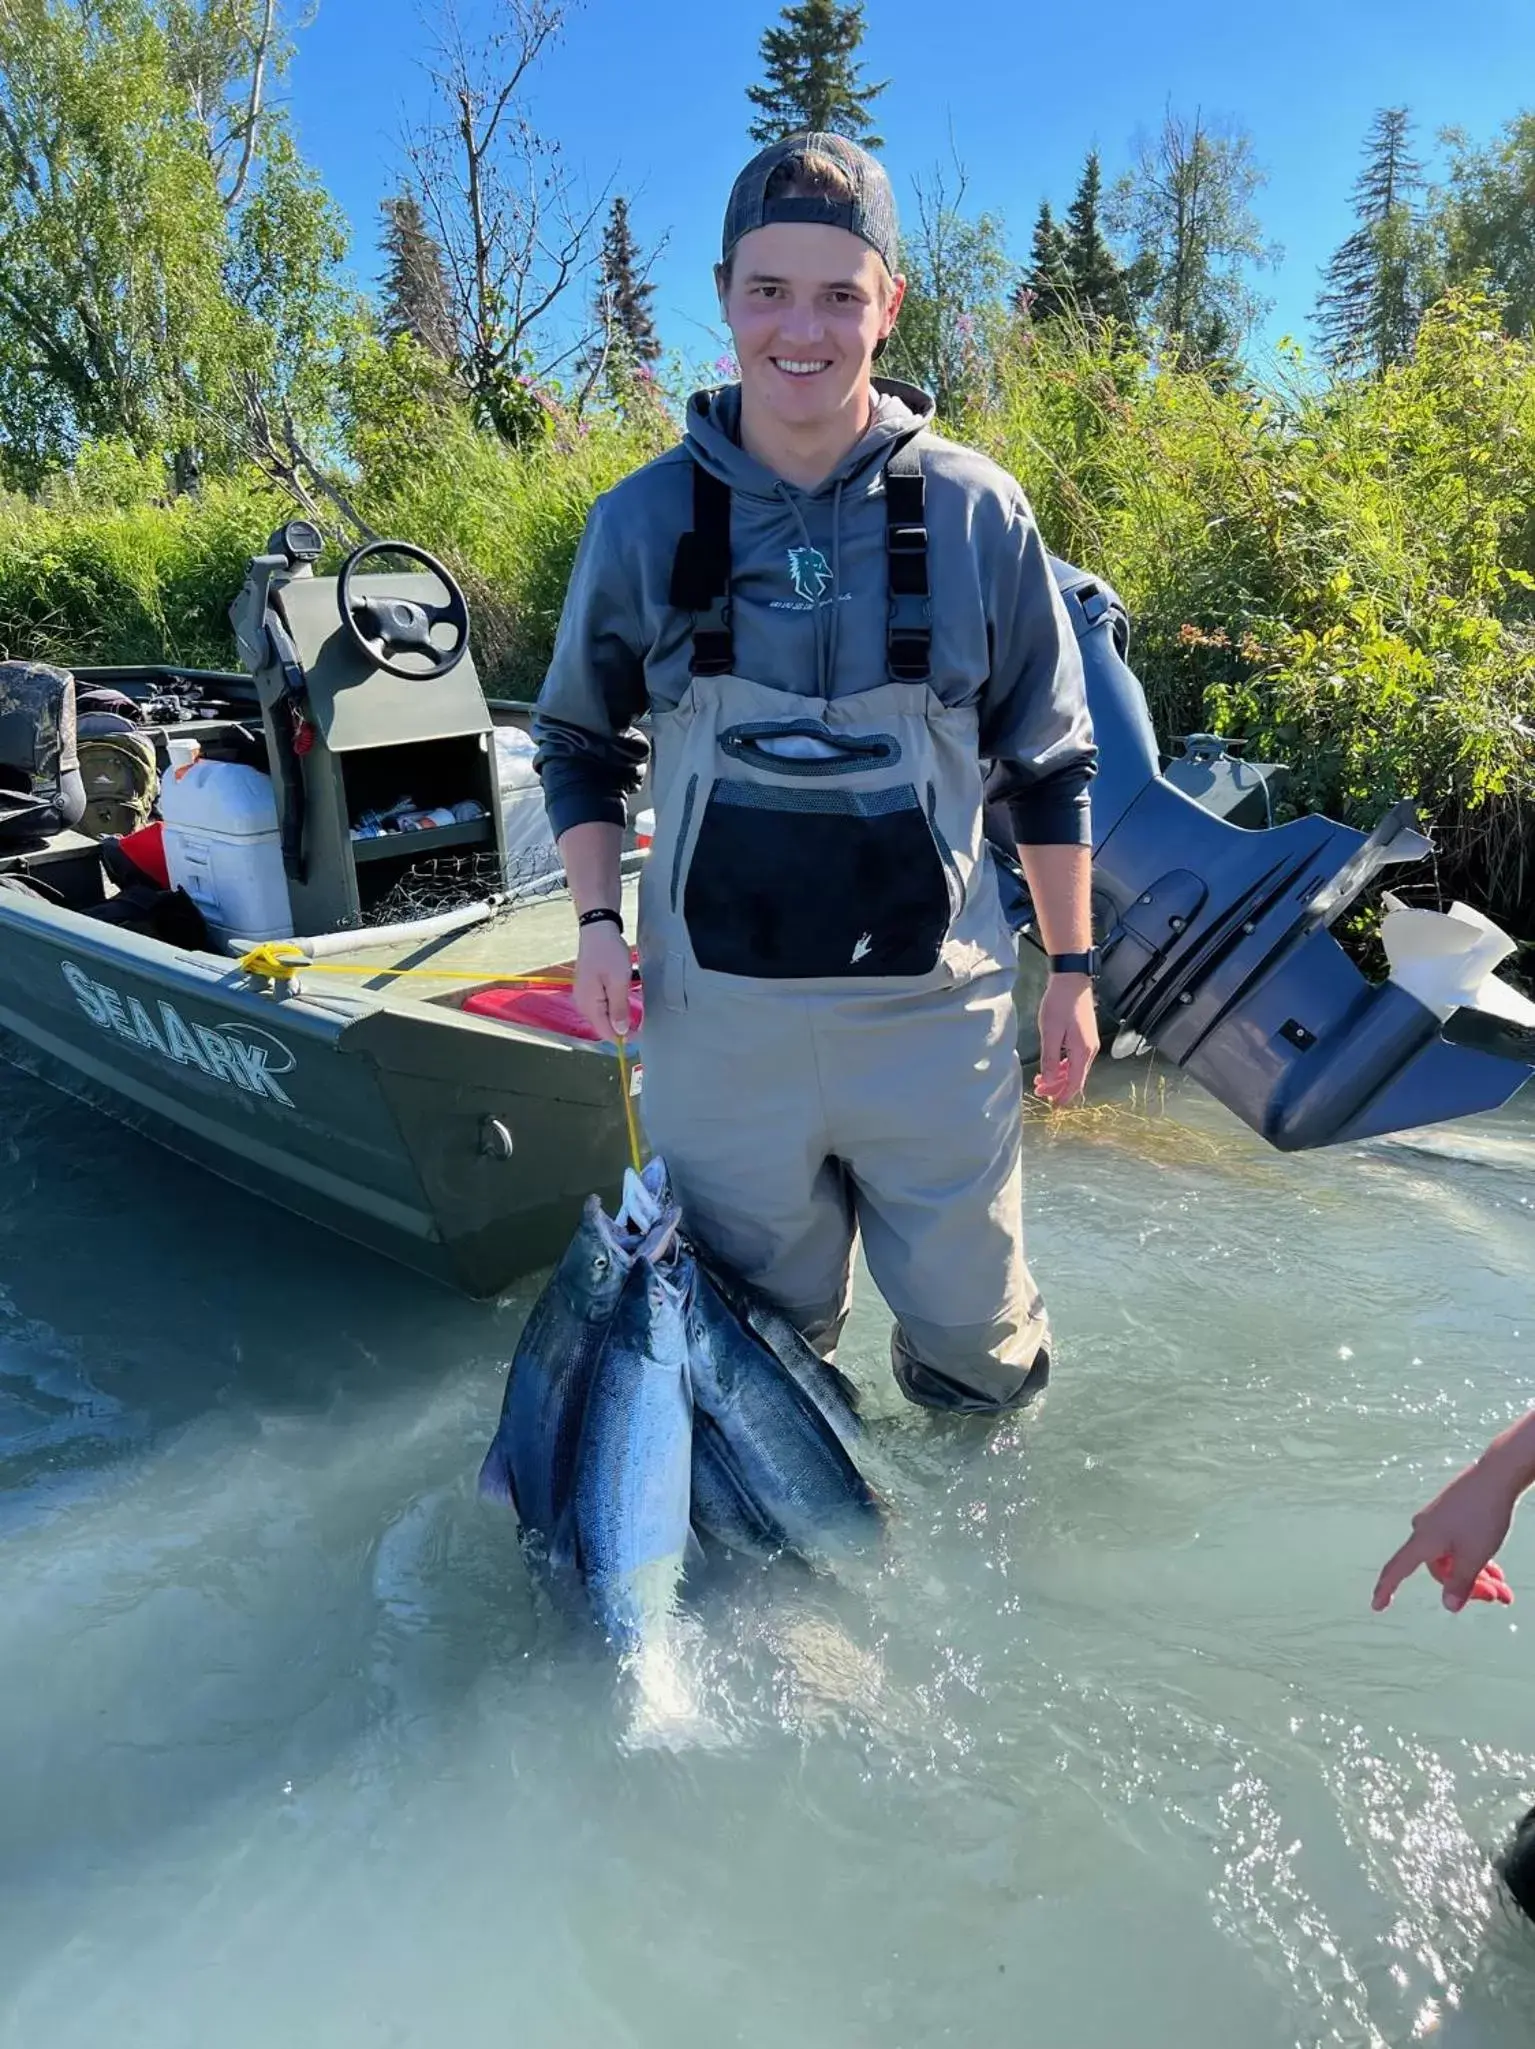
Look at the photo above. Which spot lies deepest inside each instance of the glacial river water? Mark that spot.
(1108, 1749)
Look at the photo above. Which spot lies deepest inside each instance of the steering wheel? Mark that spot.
(379, 626)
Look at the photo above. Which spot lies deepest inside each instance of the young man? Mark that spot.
(836, 620)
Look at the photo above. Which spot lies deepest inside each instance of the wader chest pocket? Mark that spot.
(803, 747)
(803, 882)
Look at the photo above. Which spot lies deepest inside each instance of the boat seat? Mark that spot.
(69, 862)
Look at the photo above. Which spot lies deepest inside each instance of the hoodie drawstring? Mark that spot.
(836, 584)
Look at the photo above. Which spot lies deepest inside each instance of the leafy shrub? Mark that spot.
(1341, 573)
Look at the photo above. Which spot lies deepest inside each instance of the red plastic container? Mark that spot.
(145, 849)
(545, 1010)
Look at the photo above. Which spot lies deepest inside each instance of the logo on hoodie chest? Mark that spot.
(810, 574)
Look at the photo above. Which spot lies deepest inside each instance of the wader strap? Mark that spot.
(909, 637)
(701, 572)
(701, 575)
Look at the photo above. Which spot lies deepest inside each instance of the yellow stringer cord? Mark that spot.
(276, 962)
(629, 1120)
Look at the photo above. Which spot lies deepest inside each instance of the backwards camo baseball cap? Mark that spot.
(869, 214)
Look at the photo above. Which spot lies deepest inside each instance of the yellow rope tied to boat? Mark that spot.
(274, 962)
(277, 960)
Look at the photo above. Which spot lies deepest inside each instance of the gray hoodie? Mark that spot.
(809, 606)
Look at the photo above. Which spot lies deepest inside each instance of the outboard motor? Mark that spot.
(1216, 948)
(40, 788)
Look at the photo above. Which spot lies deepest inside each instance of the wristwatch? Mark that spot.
(1075, 963)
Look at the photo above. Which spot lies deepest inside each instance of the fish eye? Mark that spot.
(601, 1263)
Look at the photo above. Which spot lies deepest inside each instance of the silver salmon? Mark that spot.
(780, 1450)
(532, 1459)
(721, 1507)
(831, 1390)
(633, 1468)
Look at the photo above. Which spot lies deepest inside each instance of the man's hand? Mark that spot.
(602, 980)
(591, 852)
(1068, 1037)
(1060, 883)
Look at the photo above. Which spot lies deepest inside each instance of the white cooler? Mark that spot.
(222, 846)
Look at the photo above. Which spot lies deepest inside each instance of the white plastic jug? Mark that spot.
(223, 847)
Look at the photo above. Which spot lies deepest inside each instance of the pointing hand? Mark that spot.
(1454, 1537)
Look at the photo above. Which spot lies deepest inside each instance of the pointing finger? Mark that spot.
(1399, 1566)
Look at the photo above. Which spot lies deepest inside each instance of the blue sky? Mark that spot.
(654, 95)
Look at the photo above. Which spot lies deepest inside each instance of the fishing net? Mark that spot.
(447, 882)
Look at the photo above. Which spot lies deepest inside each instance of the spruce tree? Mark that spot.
(622, 293)
(812, 80)
(1100, 286)
(415, 287)
(1046, 288)
(1368, 311)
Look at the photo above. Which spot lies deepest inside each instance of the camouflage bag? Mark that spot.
(40, 791)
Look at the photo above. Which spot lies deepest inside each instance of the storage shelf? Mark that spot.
(430, 839)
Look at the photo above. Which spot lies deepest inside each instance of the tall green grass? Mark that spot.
(84, 582)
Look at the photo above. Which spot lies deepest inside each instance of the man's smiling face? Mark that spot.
(807, 304)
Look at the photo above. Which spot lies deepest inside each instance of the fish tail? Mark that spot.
(845, 1387)
(495, 1482)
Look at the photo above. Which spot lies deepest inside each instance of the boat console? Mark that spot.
(379, 737)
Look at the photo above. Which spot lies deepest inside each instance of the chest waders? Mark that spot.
(830, 1039)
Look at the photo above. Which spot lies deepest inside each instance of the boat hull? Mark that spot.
(457, 1148)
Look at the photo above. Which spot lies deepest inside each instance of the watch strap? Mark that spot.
(1075, 963)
